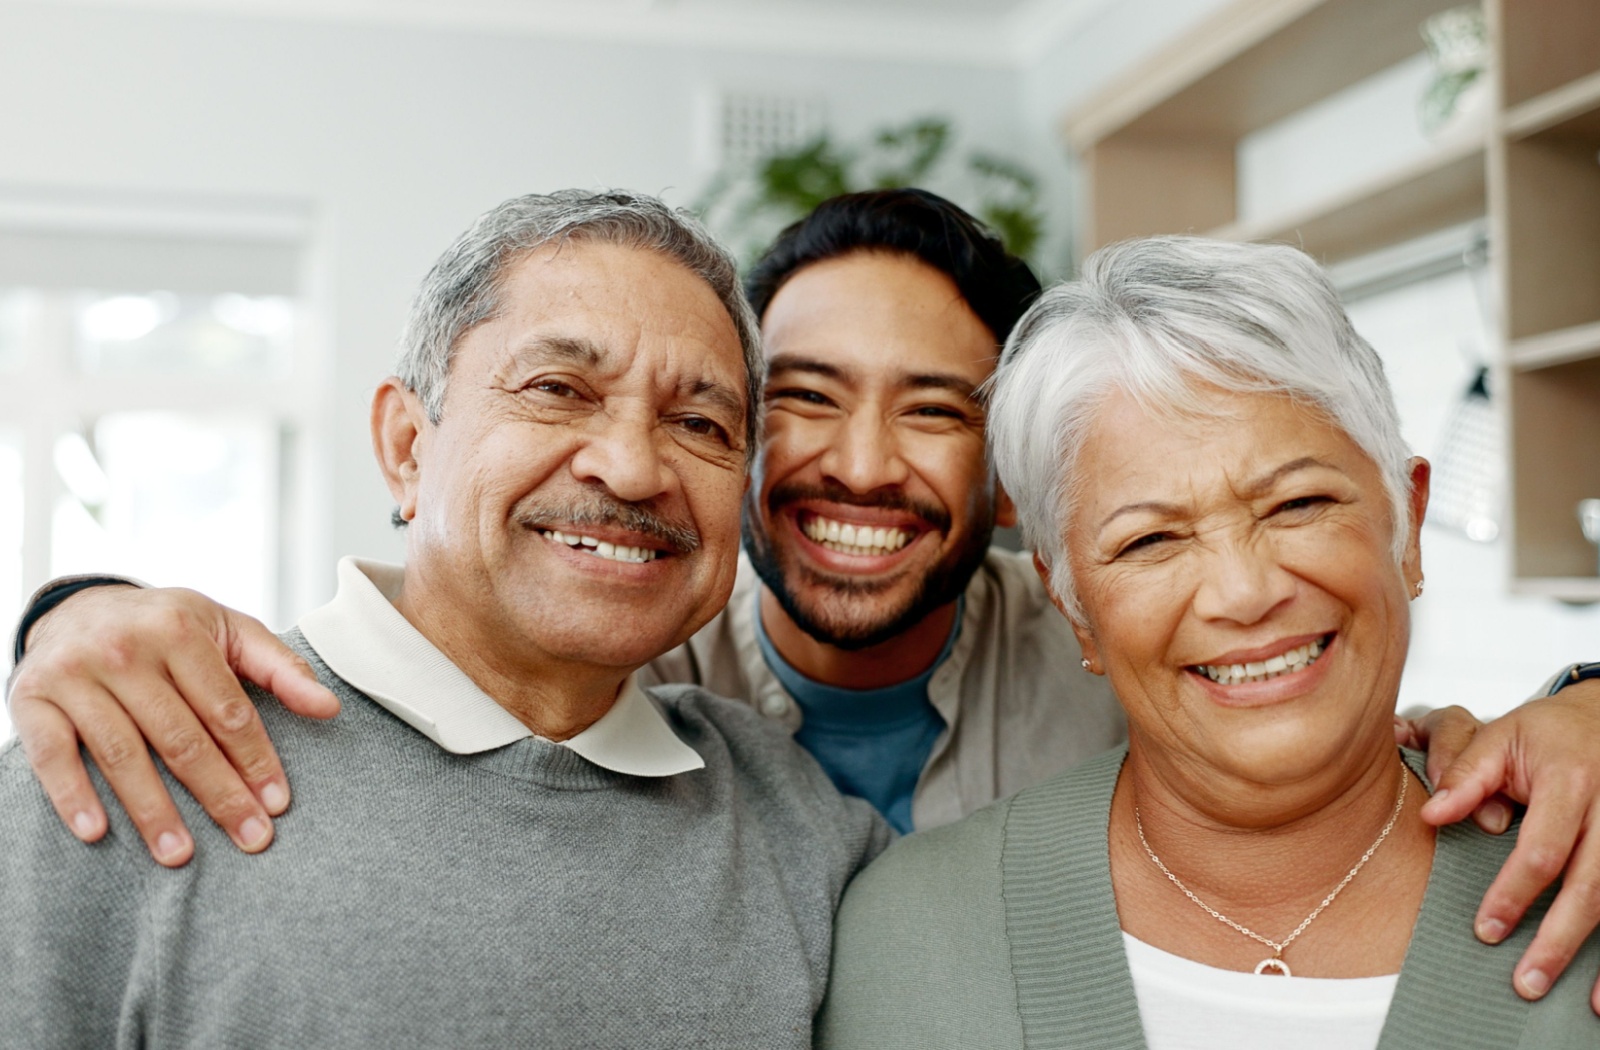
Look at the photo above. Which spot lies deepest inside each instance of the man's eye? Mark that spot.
(799, 394)
(553, 387)
(936, 412)
(1301, 503)
(700, 426)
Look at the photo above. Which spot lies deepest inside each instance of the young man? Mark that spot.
(926, 672)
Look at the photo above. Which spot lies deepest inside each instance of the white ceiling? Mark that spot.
(976, 32)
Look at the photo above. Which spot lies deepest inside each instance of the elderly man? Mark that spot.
(504, 840)
(927, 672)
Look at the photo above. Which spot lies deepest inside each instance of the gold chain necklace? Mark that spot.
(1275, 963)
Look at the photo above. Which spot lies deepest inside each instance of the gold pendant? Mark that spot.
(1273, 966)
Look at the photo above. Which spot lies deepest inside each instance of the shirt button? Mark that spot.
(774, 705)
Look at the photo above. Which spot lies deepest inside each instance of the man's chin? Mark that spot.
(850, 622)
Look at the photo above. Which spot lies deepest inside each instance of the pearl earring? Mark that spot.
(1085, 663)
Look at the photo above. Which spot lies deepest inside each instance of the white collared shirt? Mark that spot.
(368, 643)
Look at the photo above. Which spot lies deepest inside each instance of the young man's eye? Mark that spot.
(798, 394)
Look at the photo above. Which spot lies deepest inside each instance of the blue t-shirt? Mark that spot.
(873, 743)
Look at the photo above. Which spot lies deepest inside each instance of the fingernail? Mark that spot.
(1496, 816)
(168, 845)
(1440, 795)
(275, 798)
(83, 824)
(253, 832)
(1534, 982)
(1491, 931)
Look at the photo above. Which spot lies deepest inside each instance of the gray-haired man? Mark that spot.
(503, 842)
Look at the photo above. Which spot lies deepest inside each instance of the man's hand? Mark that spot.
(121, 666)
(1545, 754)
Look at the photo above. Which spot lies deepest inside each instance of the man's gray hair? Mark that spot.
(1156, 319)
(462, 289)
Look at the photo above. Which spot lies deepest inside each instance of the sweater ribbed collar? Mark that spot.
(363, 638)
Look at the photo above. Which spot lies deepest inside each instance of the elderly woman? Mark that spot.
(1207, 459)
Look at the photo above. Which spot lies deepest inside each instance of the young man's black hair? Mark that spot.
(997, 285)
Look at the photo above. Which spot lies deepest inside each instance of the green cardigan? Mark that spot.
(1001, 932)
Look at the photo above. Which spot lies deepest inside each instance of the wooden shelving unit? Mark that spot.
(1159, 153)
(1159, 146)
(1544, 206)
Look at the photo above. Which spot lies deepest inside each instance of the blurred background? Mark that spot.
(213, 214)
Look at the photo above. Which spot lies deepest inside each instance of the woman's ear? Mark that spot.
(1081, 631)
(1421, 474)
(399, 437)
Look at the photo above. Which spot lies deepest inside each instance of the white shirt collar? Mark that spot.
(365, 640)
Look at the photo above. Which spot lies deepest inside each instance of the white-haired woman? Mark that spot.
(1207, 459)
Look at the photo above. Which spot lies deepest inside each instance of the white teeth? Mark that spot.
(1284, 663)
(853, 539)
(602, 549)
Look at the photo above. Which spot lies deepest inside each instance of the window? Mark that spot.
(158, 401)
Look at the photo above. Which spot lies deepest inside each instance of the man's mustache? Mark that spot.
(575, 515)
(833, 492)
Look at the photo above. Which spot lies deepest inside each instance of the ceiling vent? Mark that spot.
(744, 126)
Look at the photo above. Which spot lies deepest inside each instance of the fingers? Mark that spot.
(111, 665)
(51, 746)
(1573, 915)
(1406, 734)
(119, 752)
(235, 773)
(257, 655)
(1468, 783)
(1550, 831)
(1447, 733)
(162, 712)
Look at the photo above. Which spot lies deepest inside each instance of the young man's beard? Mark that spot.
(846, 617)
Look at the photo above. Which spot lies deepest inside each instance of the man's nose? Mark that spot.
(623, 454)
(1241, 581)
(864, 454)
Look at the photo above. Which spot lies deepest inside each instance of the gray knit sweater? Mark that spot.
(1001, 933)
(417, 898)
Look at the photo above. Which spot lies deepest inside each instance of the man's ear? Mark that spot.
(1421, 475)
(1086, 642)
(399, 435)
(1005, 512)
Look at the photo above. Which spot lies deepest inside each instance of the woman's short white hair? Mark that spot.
(1156, 319)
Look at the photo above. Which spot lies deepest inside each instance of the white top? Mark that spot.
(365, 640)
(1186, 1005)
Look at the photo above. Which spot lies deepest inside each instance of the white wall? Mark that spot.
(397, 138)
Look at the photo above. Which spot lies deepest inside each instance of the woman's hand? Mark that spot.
(126, 669)
(1545, 754)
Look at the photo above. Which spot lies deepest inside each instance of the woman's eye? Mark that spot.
(1301, 503)
(1143, 542)
(936, 412)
